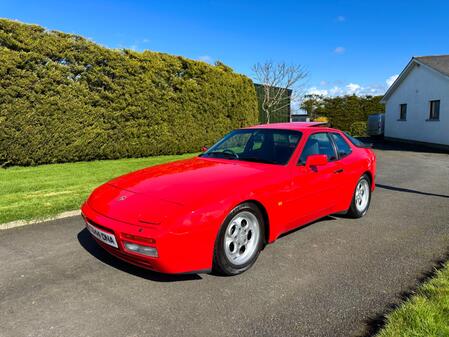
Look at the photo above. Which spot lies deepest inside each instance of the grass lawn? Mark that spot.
(424, 314)
(42, 191)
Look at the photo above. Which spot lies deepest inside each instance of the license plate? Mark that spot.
(107, 238)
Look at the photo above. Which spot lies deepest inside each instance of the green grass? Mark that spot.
(43, 191)
(426, 314)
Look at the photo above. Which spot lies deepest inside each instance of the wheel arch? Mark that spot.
(370, 176)
(266, 219)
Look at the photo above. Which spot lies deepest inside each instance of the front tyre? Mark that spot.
(240, 240)
(361, 199)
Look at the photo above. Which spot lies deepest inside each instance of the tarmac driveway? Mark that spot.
(326, 279)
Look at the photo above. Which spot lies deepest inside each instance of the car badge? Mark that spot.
(123, 197)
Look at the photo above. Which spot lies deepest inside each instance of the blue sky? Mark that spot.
(347, 46)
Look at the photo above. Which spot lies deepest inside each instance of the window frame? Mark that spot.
(403, 118)
(432, 104)
(299, 163)
(336, 146)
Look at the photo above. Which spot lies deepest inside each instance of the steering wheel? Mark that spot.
(231, 152)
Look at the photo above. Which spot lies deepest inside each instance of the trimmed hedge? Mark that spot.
(64, 98)
(359, 129)
(343, 111)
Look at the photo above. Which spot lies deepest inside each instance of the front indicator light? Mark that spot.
(144, 250)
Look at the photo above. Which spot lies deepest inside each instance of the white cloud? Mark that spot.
(339, 50)
(145, 40)
(336, 91)
(316, 91)
(390, 80)
(341, 18)
(348, 89)
(205, 58)
(353, 88)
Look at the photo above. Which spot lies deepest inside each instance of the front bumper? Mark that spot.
(173, 248)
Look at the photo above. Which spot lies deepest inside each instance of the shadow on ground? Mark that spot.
(326, 218)
(387, 145)
(407, 190)
(89, 244)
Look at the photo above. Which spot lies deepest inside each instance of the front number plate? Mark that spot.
(102, 236)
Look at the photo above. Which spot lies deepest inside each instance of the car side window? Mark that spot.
(343, 147)
(318, 143)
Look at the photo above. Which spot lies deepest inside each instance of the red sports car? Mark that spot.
(218, 210)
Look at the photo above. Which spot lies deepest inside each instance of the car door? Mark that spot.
(349, 170)
(313, 192)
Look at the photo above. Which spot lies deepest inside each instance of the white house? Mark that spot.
(417, 103)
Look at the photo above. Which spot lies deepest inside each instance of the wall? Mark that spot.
(417, 90)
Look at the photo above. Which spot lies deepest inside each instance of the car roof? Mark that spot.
(297, 126)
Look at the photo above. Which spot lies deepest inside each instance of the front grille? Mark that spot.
(93, 223)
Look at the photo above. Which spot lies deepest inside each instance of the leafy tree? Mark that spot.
(343, 111)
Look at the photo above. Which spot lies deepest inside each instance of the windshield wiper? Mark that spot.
(220, 153)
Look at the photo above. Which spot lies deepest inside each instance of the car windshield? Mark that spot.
(267, 146)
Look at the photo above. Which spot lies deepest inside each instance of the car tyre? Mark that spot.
(239, 241)
(361, 198)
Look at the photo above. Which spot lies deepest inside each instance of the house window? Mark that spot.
(434, 110)
(403, 112)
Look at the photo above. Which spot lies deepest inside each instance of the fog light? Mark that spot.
(145, 250)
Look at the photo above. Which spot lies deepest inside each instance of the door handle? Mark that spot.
(339, 171)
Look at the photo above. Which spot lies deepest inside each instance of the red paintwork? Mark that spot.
(183, 204)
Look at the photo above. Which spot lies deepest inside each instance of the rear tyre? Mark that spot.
(239, 241)
(361, 199)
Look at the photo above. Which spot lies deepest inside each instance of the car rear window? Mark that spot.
(356, 141)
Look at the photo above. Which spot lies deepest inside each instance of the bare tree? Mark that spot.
(278, 80)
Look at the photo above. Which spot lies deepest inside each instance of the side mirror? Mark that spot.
(316, 160)
(204, 149)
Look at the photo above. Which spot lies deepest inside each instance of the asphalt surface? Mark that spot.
(326, 279)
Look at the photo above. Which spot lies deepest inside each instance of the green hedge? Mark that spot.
(343, 111)
(64, 98)
(358, 129)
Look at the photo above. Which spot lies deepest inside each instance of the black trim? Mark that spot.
(336, 146)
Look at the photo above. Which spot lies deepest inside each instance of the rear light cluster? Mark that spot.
(140, 248)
